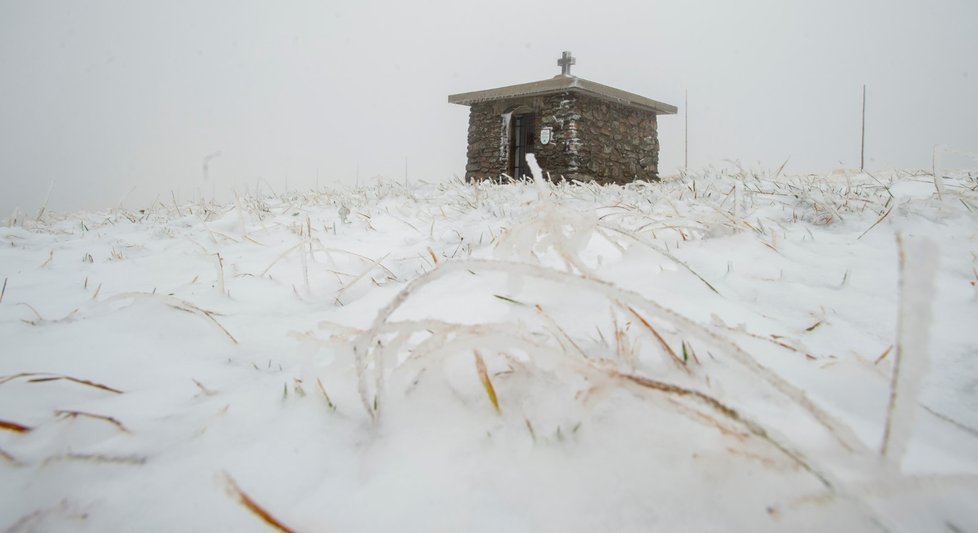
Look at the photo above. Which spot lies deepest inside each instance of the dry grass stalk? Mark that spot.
(480, 366)
(662, 342)
(47, 378)
(322, 389)
(7, 457)
(53, 377)
(660, 251)
(883, 355)
(220, 274)
(33, 310)
(880, 219)
(204, 390)
(3, 290)
(562, 334)
(354, 254)
(305, 267)
(244, 499)
(175, 204)
(281, 256)
(951, 421)
(14, 426)
(729, 412)
(529, 427)
(773, 339)
(100, 458)
(366, 271)
(74, 414)
(177, 303)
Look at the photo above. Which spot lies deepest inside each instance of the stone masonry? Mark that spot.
(592, 139)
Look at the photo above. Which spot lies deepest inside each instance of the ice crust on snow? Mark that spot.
(713, 352)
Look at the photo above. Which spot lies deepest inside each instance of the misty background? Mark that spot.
(113, 100)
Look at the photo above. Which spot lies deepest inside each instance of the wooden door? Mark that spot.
(521, 143)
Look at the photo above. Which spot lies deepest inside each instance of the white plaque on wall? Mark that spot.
(545, 135)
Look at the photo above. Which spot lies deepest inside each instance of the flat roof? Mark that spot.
(561, 83)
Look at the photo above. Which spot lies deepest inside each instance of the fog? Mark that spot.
(109, 102)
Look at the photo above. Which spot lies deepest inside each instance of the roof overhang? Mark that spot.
(563, 83)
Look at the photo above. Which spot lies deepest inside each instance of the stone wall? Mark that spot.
(619, 144)
(488, 152)
(591, 138)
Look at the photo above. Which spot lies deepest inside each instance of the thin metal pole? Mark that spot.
(862, 135)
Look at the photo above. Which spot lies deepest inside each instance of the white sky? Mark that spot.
(103, 96)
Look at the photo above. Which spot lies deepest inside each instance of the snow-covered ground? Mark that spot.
(712, 353)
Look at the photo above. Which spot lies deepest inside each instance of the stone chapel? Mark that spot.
(578, 129)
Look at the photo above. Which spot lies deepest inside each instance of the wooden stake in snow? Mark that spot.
(918, 267)
(862, 134)
(686, 130)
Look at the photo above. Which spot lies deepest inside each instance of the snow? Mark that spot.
(714, 352)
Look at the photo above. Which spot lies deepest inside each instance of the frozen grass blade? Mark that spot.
(203, 390)
(14, 426)
(918, 267)
(363, 349)
(7, 457)
(480, 366)
(732, 414)
(250, 504)
(322, 389)
(176, 303)
(44, 378)
(883, 355)
(681, 363)
(880, 219)
(133, 460)
(508, 299)
(366, 271)
(68, 413)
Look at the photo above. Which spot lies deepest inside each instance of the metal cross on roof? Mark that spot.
(565, 62)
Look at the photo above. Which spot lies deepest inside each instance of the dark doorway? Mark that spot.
(521, 143)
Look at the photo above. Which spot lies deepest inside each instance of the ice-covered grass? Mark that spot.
(713, 352)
